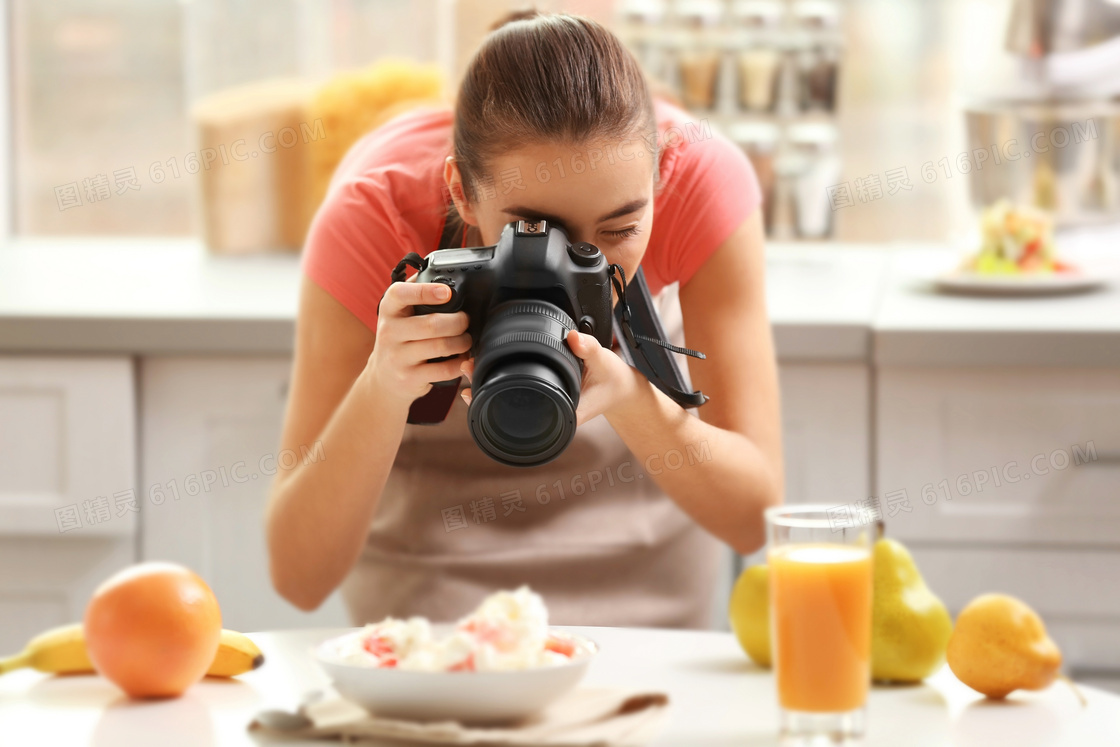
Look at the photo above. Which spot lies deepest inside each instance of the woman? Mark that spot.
(553, 120)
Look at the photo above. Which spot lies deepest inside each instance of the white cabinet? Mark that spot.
(211, 434)
(67, 445)
(67, 482)
(1002, 455)
(1011, 477)
(826, 432)
(1072, 589)
(826, 440)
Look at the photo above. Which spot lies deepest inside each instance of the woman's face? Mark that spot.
(601, 193)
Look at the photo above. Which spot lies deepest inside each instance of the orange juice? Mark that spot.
(820, 602)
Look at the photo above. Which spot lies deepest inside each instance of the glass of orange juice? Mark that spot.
(820, 622)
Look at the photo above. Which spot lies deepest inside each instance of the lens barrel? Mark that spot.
(525, 385)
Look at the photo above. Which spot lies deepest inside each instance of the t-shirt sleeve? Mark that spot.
(713, 190)
(352, 246)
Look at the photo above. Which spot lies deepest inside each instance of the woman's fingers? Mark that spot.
(422, 350)
(401, 297)
(467, 369)
(442, 371)
(429, 326)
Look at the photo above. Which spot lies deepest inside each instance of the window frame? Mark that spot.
(7, 195)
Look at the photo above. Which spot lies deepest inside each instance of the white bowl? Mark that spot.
(469, 697)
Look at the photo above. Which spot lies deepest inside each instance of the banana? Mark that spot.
(62, 650)
(236, 654)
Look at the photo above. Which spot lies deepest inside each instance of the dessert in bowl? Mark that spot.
(500, 663)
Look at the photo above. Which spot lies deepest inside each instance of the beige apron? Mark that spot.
(453, 526)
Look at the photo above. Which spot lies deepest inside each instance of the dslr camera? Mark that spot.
(521, 296)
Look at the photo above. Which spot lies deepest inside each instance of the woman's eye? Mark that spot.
(625, 233)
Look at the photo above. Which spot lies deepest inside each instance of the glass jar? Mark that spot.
(817, 74)
(757, 15)
(270, 124)
(643, 32)
(816, 15)
(699, 54)
(813, 150)
(817, 23)
(759, 140)
(760, 69)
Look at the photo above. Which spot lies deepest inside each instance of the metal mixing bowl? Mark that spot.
(1063, 156)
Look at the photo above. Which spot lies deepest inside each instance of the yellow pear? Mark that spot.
(749, 613)
(910, 627)
(1000, 645)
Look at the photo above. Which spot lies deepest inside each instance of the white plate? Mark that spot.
(470, 697)
(1017, 285)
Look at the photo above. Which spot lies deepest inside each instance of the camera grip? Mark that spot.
(433, 407)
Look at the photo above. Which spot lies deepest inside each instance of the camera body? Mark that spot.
(522, 296)
(531, 261)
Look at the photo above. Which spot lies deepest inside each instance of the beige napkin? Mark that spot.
(585, 717)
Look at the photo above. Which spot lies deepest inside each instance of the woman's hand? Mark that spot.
(607, 381)
(405, 342)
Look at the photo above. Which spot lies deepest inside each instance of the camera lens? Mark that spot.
(525, 386)
(521, 415)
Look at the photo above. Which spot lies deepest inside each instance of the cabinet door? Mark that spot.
(67, 446)
(1069, 588)
(826, 421)
(47, 581)
(1001, 455)
(67, 478)
(211, 434)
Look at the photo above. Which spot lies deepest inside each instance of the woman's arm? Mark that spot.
(724, 308)
(351, 390)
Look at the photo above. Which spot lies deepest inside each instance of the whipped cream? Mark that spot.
(508, 631)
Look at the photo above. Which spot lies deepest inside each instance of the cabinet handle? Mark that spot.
(1054, 488)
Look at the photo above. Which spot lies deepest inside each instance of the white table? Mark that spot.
(718, 698)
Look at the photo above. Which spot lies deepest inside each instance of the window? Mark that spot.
(101, 93)
(97, 96)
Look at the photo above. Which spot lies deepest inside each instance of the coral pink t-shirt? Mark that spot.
(388, 198)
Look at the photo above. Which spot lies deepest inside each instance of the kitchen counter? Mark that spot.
(138, 296)
(717, 698)
(822, 301)
(827, 302)
(916, 325)
(167, 296)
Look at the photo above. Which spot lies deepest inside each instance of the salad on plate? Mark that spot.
(1015, 240)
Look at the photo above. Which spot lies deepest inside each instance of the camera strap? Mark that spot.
(637, 324)
(399, 273)
(413, 260)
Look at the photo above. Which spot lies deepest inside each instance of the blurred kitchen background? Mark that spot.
(819, 92)
(137, 354)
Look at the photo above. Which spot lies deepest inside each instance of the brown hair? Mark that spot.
(547, 78)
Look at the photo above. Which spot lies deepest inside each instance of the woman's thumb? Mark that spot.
(583, 343)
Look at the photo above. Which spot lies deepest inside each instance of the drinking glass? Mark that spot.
(820, 607)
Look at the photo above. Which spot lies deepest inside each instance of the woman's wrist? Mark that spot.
(378, 398)
(635, 398)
